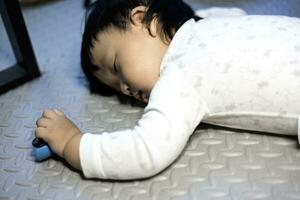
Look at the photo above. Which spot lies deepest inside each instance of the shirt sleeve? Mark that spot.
(173, 112)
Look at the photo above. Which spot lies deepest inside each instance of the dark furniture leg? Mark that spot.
(87, 3)
(26, 67)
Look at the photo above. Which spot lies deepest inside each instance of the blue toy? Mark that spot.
(41, 150)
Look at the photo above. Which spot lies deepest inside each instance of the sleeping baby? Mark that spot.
(238, 71)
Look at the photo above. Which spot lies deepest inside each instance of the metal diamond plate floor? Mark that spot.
(216, 164)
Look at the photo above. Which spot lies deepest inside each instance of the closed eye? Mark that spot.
(115, 66)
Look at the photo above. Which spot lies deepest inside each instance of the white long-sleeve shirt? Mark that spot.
(241, 72)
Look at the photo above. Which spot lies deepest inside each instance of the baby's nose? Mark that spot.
(126, 90)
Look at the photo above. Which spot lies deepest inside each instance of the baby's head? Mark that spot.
(124, 42)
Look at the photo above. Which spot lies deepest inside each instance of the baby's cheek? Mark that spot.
(144, 84)
(140, 78)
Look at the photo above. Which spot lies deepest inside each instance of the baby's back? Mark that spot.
(247, 69)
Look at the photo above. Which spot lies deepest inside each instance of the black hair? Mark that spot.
(101, 14)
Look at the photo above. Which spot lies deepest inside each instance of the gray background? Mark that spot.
(216, 164)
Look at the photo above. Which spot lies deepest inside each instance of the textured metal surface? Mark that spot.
(216, 164)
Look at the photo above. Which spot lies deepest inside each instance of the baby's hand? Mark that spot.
(55, 129)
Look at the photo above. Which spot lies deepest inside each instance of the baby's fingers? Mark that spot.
(48, 113)
(40, 132)
(42, 122)
(58, 112)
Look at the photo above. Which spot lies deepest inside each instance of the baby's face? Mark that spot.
(128, 61)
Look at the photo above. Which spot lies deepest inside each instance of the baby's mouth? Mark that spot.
(141, 96)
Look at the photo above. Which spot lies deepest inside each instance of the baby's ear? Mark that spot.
(137, 15)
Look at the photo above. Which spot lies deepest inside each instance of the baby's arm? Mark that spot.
(71, 151)
(173, 112)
